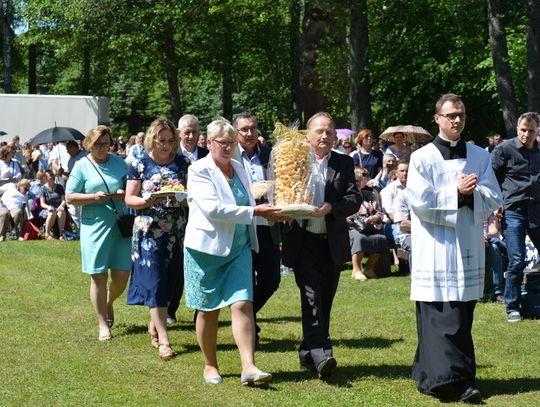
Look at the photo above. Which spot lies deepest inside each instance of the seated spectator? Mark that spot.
(382, 179)
(36, 189)
(402, 218)
(532, 258)
(496, 258)
(13, 203)
(53, 204)
(365, 230)
(347, 147)
(75, 153)
(135, 150)
(10, 169)
(399, 148)
(388, 198)
(365, 156)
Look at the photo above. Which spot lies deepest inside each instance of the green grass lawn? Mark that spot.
(50, 356)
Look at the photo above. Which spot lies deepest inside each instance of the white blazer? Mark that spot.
(213, 213)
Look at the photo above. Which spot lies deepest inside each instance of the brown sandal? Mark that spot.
(154, 340)
(165, 351)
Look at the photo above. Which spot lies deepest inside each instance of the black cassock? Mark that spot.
(444, 360)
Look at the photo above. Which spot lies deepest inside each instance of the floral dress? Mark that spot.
(158, 234)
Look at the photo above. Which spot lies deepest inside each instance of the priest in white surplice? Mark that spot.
(452, 189)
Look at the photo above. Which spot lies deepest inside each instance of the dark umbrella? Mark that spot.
(55, 135)
(2, 133)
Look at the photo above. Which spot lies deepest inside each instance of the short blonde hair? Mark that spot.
(93, 135)
(157, 126)
(23, 183)
(219, 127)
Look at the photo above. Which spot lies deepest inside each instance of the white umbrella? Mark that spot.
(413, 134)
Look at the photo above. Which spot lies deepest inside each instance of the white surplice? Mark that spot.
(448, 252)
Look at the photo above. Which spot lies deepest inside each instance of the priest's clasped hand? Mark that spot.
(466, 183)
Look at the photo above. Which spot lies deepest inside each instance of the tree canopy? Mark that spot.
(220, 57)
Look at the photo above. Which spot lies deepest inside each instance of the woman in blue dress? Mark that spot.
(158, 232)
(94, 181)
(366, 156)
(220, 235)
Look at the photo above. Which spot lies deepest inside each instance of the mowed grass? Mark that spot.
(50, 356)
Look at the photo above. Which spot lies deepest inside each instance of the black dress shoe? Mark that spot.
(325, 368)
(308, 364)
(470, 395)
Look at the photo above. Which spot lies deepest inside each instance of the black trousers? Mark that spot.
(444, 360)
(266, 273)
(317, 278)
(177, 287)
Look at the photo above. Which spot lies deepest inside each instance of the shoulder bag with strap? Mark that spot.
(124, 222)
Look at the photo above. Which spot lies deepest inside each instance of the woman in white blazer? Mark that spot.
(220, 235)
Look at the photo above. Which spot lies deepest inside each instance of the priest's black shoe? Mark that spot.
(470, 395)
(325, 368)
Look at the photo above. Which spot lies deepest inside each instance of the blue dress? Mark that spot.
(102, 245)
(214, 282)
(158, 234)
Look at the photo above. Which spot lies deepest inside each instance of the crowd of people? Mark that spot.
(436, 211)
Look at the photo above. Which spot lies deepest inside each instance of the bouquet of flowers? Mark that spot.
(159, 185)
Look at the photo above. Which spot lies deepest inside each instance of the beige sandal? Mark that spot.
(165, 352)
(154, 340)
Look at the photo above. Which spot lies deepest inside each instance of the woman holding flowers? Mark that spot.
(159, 228)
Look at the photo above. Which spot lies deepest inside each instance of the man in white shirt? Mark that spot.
(266, 263)
(317, 249)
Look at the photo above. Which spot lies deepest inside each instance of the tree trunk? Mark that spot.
(227, 71)
(85, 83)
(315, 24)
(171, 70)
(6, 18)
(296, 55)
(32, 69)
(533, 55)
(359, 88)
(501, 66)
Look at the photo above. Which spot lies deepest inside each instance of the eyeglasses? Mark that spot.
(225, 144)
(168, 142)
(453, 116)
(105, 144)
(246, 130)
(347, 146)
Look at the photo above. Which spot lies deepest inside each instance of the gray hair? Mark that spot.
(188, 120)
(321, 114)
(529, 117)
(220, 127)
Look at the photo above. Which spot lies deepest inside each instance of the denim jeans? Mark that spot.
(515, 228)
(495, 259)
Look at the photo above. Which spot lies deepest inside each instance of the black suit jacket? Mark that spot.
(341, 192)
(201, 152)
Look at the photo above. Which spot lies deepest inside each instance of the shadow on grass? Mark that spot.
(495, 387)
(132, 329)
(289, 345)
(279, 320)
(367, 342)
(343, 376)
